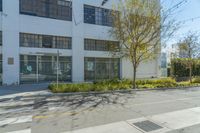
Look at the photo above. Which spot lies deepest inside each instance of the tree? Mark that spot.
(139, 26)
(189, 48)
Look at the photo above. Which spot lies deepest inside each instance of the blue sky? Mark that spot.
(188, 10)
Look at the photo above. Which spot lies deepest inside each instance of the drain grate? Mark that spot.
(147, 126)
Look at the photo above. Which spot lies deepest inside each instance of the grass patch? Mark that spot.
(112, 85)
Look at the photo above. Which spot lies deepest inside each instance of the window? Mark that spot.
(89, 14)
(1, 5)
(1, 69)
(56, 9)
(1, 41)
(44, 41)
(47, 41)
(100, 45)
(44, 68)
(101, 68)
(96, 15)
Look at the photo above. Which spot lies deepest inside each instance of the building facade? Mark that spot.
(39, 36)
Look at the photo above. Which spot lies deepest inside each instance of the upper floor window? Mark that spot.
(1, 5)
(57, 9)
(100, 45)
(96, 15)
(45, 41)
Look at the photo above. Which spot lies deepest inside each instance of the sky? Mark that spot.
(186, 11)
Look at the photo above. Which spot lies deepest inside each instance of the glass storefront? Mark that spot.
(101, 68)
(35, 69)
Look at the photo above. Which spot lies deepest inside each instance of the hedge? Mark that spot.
(180, 69)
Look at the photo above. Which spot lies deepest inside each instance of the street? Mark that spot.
(47, 113)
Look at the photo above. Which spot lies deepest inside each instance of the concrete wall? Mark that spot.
(12, 23)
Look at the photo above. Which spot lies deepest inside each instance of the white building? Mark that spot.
(33, 31)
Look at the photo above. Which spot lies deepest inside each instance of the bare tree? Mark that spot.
(189, 48)
(139, 26)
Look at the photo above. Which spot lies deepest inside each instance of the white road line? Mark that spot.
(17, 120)
(21, 131)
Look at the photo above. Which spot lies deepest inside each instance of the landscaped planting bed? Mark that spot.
(112, 85)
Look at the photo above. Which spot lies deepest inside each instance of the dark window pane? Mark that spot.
(57, 9)
(101, 68)
(89, 14)
(97, 15)
(47, 41)
(43, 69)
(1, 5)
(44, 41)
(100, 45)
(1, 41)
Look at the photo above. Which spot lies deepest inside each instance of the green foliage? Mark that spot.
(100, 86)
(157, 83)
(179, 67)
(112, 85)
(196, 80)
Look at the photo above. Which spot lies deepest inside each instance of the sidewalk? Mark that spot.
(160, 123)
(16, 90)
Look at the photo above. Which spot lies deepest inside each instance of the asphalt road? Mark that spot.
(38, 113)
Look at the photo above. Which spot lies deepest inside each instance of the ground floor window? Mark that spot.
(44, 69)
(1, 70)
(101, 68)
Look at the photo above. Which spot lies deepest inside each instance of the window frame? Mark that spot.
(52, 12)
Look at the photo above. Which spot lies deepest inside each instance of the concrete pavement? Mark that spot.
(13, 90)
(172, 121)
(57, 114)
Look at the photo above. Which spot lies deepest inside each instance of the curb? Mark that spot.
(121, 91)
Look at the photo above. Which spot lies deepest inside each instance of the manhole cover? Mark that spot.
(147, 126)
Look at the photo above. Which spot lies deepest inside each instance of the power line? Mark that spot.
(191, 19)
(174, 7)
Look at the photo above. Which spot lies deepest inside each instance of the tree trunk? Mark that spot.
(190, 73)
(134, 76)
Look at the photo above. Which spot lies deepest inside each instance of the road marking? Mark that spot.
(17, 120)
(21, 131)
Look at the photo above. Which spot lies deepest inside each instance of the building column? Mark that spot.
(10, 30)
(77, 41)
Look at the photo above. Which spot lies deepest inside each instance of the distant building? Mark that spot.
(164, 64)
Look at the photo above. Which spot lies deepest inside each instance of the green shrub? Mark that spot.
(196, 80)
(156, 83)
(111, 85)
(64, 88)
(179, 67)
(184, 84)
